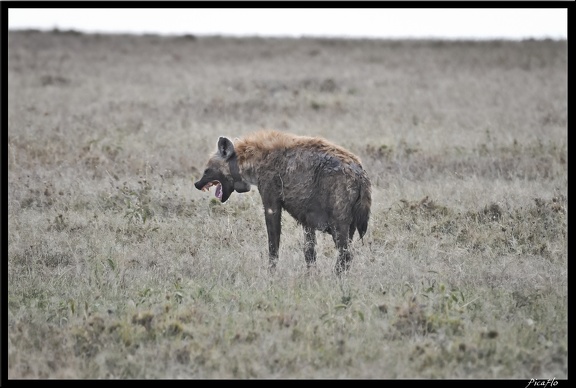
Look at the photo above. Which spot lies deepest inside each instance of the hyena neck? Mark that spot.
(249, 173)
(249, 154)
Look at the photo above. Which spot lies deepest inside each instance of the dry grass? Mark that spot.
(119, 268)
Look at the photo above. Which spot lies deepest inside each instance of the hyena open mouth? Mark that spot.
(218, 192)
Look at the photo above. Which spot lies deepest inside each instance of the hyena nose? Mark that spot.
(198, 185)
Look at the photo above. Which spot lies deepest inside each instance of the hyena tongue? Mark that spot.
(218, 192)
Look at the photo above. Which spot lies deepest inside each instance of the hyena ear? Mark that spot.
(225, 148)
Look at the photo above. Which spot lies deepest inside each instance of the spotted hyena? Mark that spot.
(322, 185)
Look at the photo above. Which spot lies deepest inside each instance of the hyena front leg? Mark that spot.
(310, 246)
(341, 238)
(273, 214)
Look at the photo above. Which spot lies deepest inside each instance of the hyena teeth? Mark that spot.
(208, 185)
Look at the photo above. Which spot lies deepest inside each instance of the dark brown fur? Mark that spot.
(322, 185)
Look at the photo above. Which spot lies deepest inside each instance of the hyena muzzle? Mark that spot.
(322, 185)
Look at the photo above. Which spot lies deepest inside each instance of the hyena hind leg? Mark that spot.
(341, 238)
(309, 246)
(351, 232)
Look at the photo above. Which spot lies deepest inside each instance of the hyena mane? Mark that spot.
(322, 185)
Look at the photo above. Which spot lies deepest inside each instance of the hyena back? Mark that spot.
(322, 185)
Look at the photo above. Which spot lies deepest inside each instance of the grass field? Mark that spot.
(119, 268)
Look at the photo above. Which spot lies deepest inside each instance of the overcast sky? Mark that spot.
(452, 23)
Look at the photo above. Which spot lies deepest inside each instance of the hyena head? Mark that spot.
(223, 172)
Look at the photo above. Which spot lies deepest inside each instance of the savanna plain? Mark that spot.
(119, 268)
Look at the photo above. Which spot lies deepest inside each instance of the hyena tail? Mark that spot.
(361, 209)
